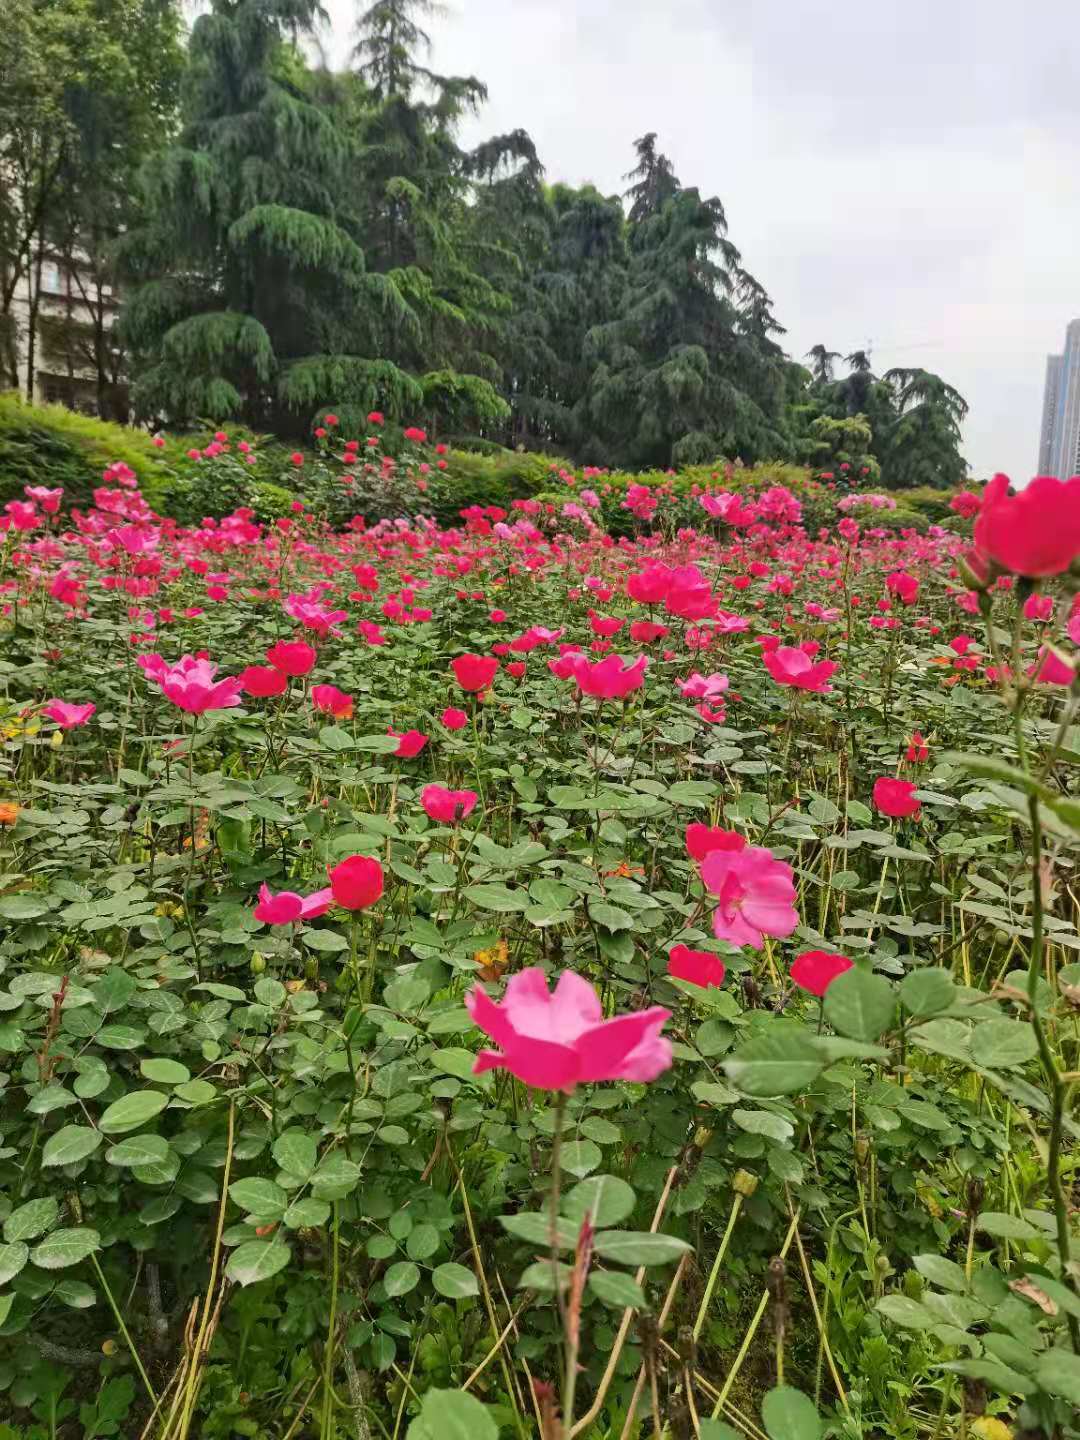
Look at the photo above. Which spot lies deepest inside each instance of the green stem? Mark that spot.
(715, 1271)
(325, 1429)
(124, 1330)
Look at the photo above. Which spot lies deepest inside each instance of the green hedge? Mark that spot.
(49, 445)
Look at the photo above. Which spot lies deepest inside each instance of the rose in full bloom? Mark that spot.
(475, 672)
(454, 719)
(610, 679)
(756, 895)
(1034, 533)
(263, 681)
(704, 687)
(790, 666)
(191, 684)
(556, 1040)
(287, 906)
(332, 701)
(815, 970)
(699, 967)
(68, 715)
(356, 883)
(292, 657)
(701, 839)
(896, 798)
(449, 807)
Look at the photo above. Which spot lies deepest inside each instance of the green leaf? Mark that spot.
(401, 1278)
(295, 1151)
(69, 1145)
(454, 1281)
(612, 917)
(327, 942)
(940, 1271)
(257, 1260)
(780, 1062)
(1058, 1372)
(927, 992)
(65, 1247)
(906, 1312)
(999, 1044)
(452, 1415)
(12, 1259)
(605, 1199)
(259, 1197)
(1006, 1227)
(131, 1111)
(497, 897)
(140, 1150)
(787, 1413)
(534, 1226)
(541, 1276)
(581, 1156)
(164, 1071)
(860, 1004)
(639, 1247)
(307, 1214)
(336, 1177)
(617, 1290)
(717, 1430)
(762, 1122)
(32, 1219)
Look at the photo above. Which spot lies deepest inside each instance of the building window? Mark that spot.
(50, 277)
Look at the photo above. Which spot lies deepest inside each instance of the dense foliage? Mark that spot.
(292, 812)
(293, 239)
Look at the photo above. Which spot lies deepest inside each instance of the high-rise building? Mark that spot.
(1059, 437)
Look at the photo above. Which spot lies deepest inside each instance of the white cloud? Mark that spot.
(902, 175)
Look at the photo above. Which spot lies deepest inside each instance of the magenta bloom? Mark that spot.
(756, 894)
(610, 679)
(700, 967)
(556, 1040)
(292, 657)
(66, 714)
(286, 906)
(449, 807)
(263, 681)
(815, 970)
(332, 701)
(704, 687)
(1036, 532)
(1050, 669)
(701, 839)
(191, 686)
(896, 798)
(410, 743)
(474, 672)
(790, 666)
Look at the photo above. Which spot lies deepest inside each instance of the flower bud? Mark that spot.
(257, 963)
(744, 1184)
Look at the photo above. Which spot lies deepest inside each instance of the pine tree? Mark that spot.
(922, 445)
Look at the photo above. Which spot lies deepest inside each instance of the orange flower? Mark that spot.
(9, 812)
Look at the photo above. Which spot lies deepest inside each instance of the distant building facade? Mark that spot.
(1059, 436)
(64, 313)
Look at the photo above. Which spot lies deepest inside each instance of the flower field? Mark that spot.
(509, 980)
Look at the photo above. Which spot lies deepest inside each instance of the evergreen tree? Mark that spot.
(922, 445)
(248, 290)
(688, 370)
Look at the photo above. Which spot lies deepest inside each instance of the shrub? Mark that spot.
(49, 445)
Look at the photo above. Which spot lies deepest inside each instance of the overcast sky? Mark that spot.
(902, 175)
